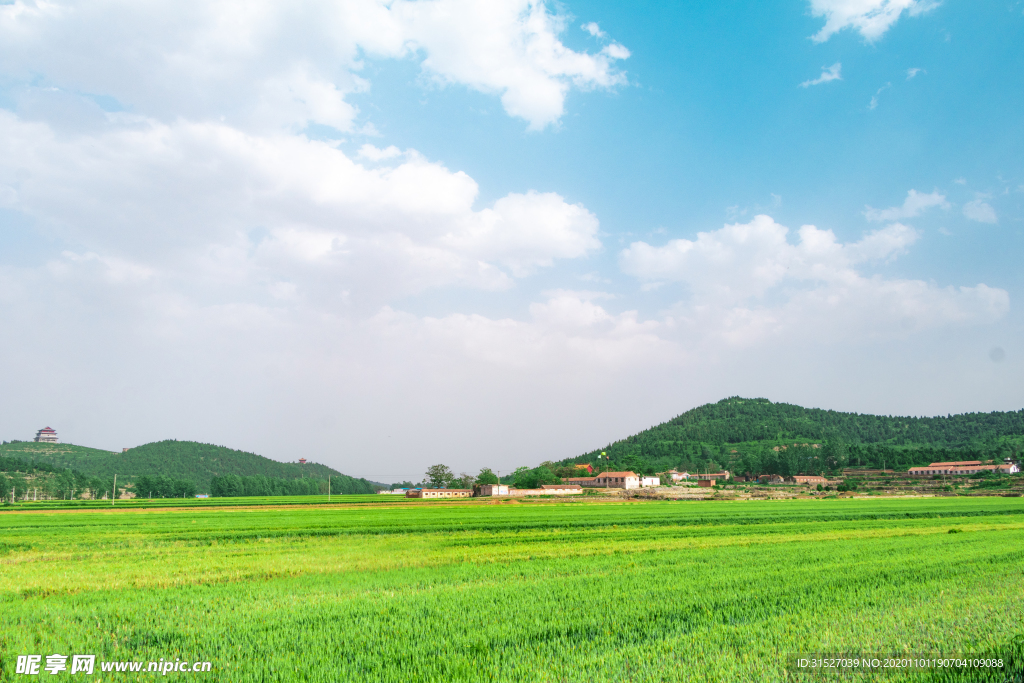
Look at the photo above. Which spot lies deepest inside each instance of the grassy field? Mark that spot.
(370, 590)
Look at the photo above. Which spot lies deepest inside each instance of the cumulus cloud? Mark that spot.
(325, 221)
(748, 281)
(265, 65)
(871, 18)
(981, 211)
(915, 203)
(831, 73)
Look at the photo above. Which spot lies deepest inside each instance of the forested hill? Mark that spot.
(721, 434)
(196, 462)
(734, 420)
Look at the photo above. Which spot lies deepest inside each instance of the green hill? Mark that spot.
(196, 462)
(735, 428)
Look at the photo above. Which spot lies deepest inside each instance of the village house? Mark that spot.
(618, 480)
(677, 476)
(705, 483)
(562, 489)
(581, 481)
(810, 480)
(961, 467)
(650, 481)
(396, 492)
(439, 493)
(586, 466)
(46, 435)
(492, 490)
(724, 474)
(770, 479)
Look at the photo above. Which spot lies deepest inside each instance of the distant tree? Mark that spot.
(835, 455)
(544, 475)
(635, 463)
(524, 478)
(439, 476)
(486, 476)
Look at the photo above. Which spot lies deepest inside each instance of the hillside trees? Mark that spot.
(526, 478)
(162, 486)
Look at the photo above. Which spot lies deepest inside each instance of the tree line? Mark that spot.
(234, 485)
(22, 478)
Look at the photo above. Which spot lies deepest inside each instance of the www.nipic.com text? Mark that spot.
(33, 665)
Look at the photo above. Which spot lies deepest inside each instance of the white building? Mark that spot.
(46, 435)
(618, 480)
(493, 490)
(650, 481)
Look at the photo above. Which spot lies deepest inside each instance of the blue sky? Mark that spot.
(387, 234)
(713, 118)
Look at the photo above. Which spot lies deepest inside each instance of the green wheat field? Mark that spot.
(581, 590)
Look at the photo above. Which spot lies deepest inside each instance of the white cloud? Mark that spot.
(874, 100)
(372, 153)
(872, 18)
(593, 29)
(914, 71)
(831, 73)
(264, 65)
(207, 270)
(981, 211)
(915, 203)
(747, 282)
(327, 222)
(568, 330)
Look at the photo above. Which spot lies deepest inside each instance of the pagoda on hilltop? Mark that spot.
(46, 435)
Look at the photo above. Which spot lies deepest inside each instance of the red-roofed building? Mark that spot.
(811, 479)
(962, 467)
(562, 489)
(46, 435)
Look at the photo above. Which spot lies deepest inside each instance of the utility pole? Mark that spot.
(113, 493)
(328, 488)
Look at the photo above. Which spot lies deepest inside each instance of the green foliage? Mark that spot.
(740, 435)
(427, 592)
(232, 485)
(995, 482)
(162, 486)
(183, 460)
(439, 477)
(526, 478)
(486, 476)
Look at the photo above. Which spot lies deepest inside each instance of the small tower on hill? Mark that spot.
(46, 435)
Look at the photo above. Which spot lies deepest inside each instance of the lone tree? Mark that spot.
(439, 476)
(487, 477)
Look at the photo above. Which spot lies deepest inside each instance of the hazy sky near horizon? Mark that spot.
(382, 235)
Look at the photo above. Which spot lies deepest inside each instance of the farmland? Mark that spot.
(372, 590)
